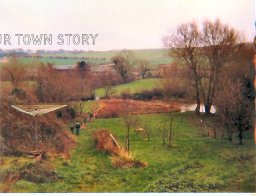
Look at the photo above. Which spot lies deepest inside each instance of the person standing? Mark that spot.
(77, 127)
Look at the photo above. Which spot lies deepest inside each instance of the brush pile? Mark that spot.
(106, 142)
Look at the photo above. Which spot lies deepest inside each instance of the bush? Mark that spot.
(155, 93)
(18, 92)
(72, 112)
(104, 142)
(148, 94)
(125, 160)
(38, 173)
(58, 114)
(126, 95)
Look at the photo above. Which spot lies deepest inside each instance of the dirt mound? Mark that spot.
(114, 107)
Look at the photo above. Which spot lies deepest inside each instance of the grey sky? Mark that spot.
(130, 24)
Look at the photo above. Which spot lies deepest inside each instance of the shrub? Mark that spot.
(58, 114)
(156, 93)
(38, 173)
(126, 95)
(105, 142)
(71, 111)
(125, 160)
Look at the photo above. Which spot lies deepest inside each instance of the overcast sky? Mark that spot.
(120, 24)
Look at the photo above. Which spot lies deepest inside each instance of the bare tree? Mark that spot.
(124, 61)
(14, 72)
(145, 130)
(234, 99)
(143, 67)
(175, 82)
(129, 121)
(108, 80)
(83, 68)
(170, 131)
(228, 99)
(219, 42)
(164, 130)
(184, 46)
(167, 130)
(204, 52)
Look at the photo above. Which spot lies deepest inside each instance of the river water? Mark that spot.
(192, 107)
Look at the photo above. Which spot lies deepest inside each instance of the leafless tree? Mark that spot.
(170, 131)
(175, 82)
(204, 52)
(108, 80)
(143, 67)
(218, 45)
(234, 99)
(14, 72)
(184, 45)
(130, 122)
(124, 61)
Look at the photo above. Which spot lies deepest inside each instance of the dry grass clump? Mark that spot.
(125, 160)
(106, 142)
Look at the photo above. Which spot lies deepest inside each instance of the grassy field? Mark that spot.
(142, 53)
(154, 56)
(194, 163)
(132, 87)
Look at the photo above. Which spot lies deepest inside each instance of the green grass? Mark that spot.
(142, 53)
(55, 61)
(195, 163)
(154, 56)
(11, 165)
(132, 87)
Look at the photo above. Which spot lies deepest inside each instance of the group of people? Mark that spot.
(75, 128)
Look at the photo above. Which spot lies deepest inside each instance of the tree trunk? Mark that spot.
(197, 98)
(170, 135)
(207, 108)
(229, 133)
(128, 140)
(240, 135)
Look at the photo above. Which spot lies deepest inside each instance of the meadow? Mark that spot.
(195, 162)
(154, 56)
(136, 86)
(192, 164)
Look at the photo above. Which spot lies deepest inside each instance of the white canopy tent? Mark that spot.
(35, 111)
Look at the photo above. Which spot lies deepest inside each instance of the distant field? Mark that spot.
(56, 61)
(154, 56)
(143, 53)
(132, 87)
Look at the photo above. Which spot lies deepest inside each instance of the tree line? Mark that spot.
(220, 65)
